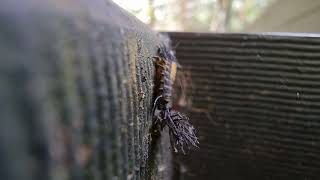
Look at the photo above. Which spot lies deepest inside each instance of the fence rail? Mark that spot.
(76, 92)
(255, 102)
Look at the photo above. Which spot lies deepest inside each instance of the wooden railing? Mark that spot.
(76, 93)
(254, 99)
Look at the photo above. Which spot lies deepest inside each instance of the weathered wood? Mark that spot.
(76, 92)
(255, 102)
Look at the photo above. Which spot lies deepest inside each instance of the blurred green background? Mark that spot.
(227, 15)
(196, 15)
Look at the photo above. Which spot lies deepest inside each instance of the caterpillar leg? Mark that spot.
(155, 104)
(170, 120)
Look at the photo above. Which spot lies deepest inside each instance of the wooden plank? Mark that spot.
(76, 91)
(254, 100)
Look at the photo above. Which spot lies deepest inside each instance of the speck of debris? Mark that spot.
(144, 79)
(161, 168)
(142, 95)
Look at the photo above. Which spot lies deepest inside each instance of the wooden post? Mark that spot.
(76, 92)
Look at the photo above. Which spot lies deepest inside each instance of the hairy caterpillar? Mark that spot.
(180, 130)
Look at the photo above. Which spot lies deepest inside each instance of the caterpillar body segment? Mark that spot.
(182, 133)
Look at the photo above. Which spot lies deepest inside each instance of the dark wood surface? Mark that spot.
(76, 88)
(254, 100)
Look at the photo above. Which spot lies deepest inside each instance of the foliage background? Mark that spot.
(196, 15)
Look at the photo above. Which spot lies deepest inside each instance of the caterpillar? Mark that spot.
(181, 132)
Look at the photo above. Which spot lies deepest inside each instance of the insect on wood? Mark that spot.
(182, 133)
